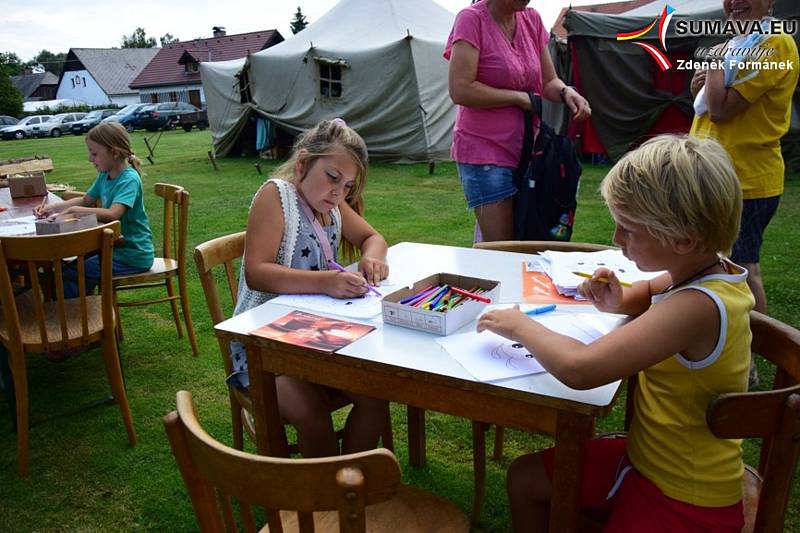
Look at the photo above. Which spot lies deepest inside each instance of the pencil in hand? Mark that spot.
(601, 279)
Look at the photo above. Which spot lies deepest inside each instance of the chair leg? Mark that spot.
(174, 304)
(114, 373)
(187, 315)
(117, 318)
(479, 467)
(497, 455)
(416, 436)
(19, 376)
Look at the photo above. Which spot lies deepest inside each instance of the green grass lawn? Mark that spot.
(84, 477)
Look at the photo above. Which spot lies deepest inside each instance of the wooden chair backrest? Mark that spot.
(773, 416)
(208, 256)
(532, 247)
(176, 221)
(34, 253)
(214, 474)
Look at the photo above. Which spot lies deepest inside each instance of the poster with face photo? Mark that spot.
(313, 331)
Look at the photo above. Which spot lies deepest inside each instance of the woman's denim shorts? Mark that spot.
(756, 215)
(486, 184)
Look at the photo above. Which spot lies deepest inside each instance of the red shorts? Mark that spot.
(638, 505)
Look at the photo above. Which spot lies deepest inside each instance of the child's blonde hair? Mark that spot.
(678, 187)
(113, 137)
(323, 140)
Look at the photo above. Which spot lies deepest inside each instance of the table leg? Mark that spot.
(479, 468)
(572, 432)
(264, 396)
(416, 436)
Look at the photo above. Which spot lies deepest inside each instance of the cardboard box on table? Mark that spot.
(438, 322)
(65, 223)
(28, 184)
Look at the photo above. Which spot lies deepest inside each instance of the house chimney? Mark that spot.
(219, 31)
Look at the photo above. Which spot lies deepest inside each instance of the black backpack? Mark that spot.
(547, 181)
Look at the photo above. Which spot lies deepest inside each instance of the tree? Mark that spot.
(168, 38)
(48, 61)
(10, 97)
(298, 22)
(138, 39)
(11, 63)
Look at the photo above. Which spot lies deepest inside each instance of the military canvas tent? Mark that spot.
(376, 63)
(631, 97)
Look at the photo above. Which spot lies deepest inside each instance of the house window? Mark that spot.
(330, 77)
(173, 96)
(190, 66)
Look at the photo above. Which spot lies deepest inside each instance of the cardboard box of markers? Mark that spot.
(445, 317)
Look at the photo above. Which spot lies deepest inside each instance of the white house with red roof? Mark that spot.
(173, 74)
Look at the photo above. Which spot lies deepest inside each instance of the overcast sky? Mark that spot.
(28, 26)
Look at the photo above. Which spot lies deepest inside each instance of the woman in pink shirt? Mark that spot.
(498, 53)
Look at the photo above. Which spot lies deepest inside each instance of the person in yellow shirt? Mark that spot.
(676, 203)
(748, 110)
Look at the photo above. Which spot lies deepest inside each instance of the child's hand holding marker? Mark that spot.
(602, 288)
(353, 281)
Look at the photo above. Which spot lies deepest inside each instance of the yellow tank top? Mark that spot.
(669, 441)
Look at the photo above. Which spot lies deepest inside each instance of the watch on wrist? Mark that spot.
(563, 92)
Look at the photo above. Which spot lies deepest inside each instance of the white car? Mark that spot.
(57, 125)
(23, 128)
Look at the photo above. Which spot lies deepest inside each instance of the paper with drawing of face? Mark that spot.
(514, 355)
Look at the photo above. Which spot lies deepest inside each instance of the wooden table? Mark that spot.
(409, 367)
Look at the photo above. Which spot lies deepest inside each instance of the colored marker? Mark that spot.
(601, 279)
(340, 268)
(541, 310)
(472, 295)
(410, 299)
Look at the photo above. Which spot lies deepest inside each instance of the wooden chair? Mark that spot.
(171, 265)
(344, 493)
(33, 323)
(222, 252)
(772, 416)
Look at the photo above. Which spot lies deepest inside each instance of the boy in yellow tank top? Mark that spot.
(676, 203)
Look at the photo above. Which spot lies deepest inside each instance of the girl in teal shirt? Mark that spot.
(119, 188)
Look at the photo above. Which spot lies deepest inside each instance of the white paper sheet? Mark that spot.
(561, 265)
(490, 357)
(18, 226)
(367, 306)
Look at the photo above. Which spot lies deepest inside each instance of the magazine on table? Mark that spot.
(313, 331)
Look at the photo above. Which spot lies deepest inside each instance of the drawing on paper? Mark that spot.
(511, 353)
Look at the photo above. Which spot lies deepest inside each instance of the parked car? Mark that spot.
(5, 120)
(57, 125)
(162, 116)
(194, 118)
(126, 116)
(91, 120)
(24, 127)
